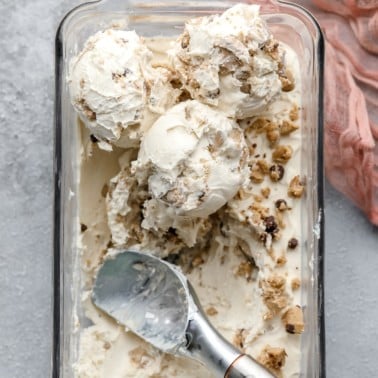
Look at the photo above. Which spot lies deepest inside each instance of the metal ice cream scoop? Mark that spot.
(155, 301)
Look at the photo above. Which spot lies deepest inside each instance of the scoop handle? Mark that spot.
(206, 345)
(246, 367)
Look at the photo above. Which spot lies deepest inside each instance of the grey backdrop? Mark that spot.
(27, 30)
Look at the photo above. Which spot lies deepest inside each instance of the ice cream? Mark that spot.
(191, 162)
(194, 158)
(114, 88)
(230, 61)
(213, 191)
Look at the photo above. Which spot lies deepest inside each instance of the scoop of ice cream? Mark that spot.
(115, 89)
(230, 61)
(193, 158)
(107, 85)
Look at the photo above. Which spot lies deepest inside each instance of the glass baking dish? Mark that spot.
(290, 24)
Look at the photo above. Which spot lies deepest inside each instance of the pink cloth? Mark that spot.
(351, 98)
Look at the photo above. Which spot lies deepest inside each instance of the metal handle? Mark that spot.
(207, 346)
(246, 367)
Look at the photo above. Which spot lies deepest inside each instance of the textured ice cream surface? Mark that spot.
(191, 162)
(115, 89)
(241, 249)
(127, 225)
(195, 159)
(106, 82)
(230, 61)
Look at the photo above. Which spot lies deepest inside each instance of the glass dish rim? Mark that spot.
(57, 210)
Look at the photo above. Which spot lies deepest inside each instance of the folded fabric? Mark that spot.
(351, 98)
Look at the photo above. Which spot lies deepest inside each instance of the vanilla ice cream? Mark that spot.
(114, 88)
(191, 162)
(230, 61)
(214, 186)
(195, 159)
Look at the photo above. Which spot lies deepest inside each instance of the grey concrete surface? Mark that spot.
(27, 31)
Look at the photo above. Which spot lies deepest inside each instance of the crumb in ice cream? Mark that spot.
(276, 172)
(141, 357)
(296, 187)
(260, 169)
(245, 269)
(281, 205)
(287, 81)
(273, 133)
(281, 260)
(266, 192)
(282, 154)
(292, 243)
(288, 127)
(273, 358)
(294, 113)
(211, 311)
(293, 320)
(274, 293)
(295, 283)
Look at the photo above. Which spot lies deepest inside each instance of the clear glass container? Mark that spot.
(289, 23)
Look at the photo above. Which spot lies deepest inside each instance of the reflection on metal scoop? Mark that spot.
(155, 300)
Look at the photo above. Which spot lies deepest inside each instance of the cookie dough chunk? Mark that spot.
(273, 358)
(293, 320)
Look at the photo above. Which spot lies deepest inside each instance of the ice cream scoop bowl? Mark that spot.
(154, 300)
